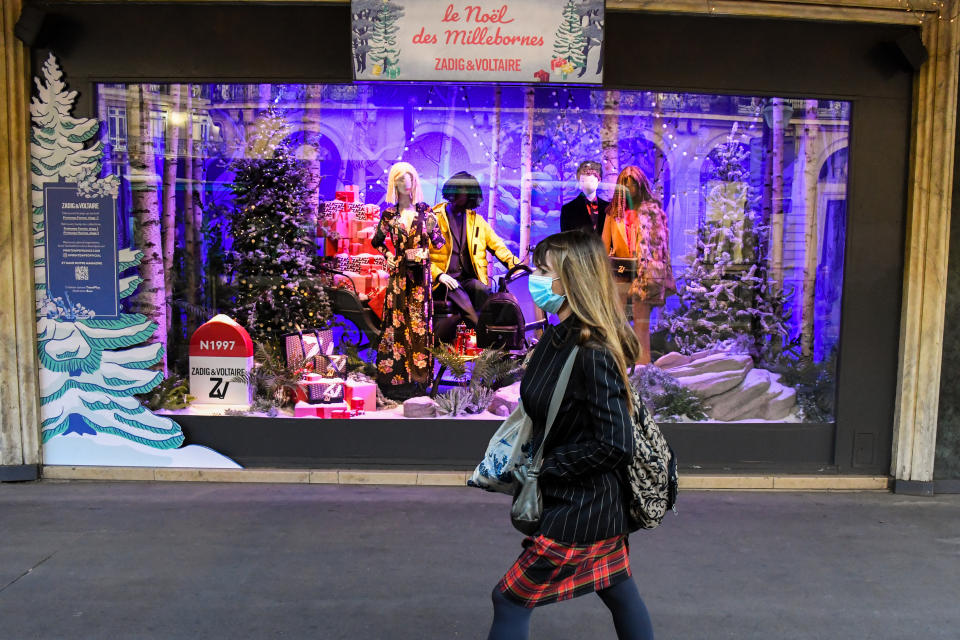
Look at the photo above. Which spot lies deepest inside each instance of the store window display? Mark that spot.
(638, 239)
(459, 264)
(739, 323)
(404, 361)
(587, 209)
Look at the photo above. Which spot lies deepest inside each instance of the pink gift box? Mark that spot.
(305, 410)
(334, 410)
(365, 392)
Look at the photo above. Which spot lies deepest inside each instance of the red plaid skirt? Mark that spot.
(549, 571)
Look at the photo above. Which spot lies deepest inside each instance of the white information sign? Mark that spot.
(558, 41)
(213, 380)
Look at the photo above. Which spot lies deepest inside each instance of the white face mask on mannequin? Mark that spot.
(589, 184)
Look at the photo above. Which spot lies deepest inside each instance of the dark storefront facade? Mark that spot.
(825, 126)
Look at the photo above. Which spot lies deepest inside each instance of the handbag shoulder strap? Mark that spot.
(555, 401)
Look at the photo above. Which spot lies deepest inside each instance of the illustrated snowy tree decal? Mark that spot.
(90, 368)
(272, 259)
(593, 11)
(726, 293)
(384, 53)
(570, 41)
(364, 12)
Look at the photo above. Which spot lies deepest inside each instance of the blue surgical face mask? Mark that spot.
(541, 289)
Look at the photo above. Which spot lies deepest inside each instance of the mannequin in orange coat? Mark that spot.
(636, 229)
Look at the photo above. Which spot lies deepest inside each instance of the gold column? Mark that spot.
(927, 248)
(19, 393)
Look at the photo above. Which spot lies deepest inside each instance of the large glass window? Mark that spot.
(268, 198)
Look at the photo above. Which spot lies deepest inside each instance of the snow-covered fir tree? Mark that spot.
(570, 40)
(384, 53)
(90, 368)
(272, 262)
(726, 293)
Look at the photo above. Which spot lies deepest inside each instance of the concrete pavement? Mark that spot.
(169, 561)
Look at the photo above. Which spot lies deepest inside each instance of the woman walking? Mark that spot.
(582, 543)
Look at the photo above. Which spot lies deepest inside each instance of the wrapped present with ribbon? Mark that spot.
(343, 260)
(367, 262)
(330, 209)
(335, 411)
(356, 248)
(349, 193)
(302, 347)
(324, 390)
(368, 212)
(357, 392)
(355, 263)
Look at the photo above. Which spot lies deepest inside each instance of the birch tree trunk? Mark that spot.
(776, 196)
(526, 174)
(168, 220)
(609, 137)
(198, 179)
(310, 124)
(493, 195)
(149, 299)
(189, 232)
(806, 177)
(658, 155)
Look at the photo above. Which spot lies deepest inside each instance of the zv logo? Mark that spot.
(219, 392)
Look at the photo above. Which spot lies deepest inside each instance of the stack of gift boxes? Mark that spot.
(335, 397)
(323, 392)
(345, 229)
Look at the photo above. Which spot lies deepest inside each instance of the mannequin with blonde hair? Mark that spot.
(637, 238)
(404, 361)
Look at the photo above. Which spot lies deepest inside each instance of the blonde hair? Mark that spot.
(396, 174)
(580, 261)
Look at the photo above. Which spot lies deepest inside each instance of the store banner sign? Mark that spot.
(555, 41)
(81, 251)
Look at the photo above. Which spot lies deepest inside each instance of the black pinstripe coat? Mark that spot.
(590, 441)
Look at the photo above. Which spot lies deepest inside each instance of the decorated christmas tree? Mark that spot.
(384, 54)
(272, 260)
(726, 294)
(570, 41)
(90, 368)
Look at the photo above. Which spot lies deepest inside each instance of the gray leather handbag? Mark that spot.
(527, 506)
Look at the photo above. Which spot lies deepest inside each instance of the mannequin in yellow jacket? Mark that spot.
(459, 267)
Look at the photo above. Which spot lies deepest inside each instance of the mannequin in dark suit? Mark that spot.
(587, 209)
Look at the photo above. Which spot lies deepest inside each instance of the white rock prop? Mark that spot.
(420, 407)
(783, 405)
(505, 400)
(708, 385)
(730, 385)
(672, 359)
(739, 401)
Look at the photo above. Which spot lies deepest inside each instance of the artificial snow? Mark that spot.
(107, 450)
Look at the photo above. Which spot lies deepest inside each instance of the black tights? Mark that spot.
(511, 621)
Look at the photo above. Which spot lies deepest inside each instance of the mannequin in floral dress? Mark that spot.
(404, 362)
(636, 229)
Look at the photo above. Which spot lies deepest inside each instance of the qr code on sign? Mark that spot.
(81, 273)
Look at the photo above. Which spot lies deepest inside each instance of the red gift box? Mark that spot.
(542, 76)
(346, 196)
